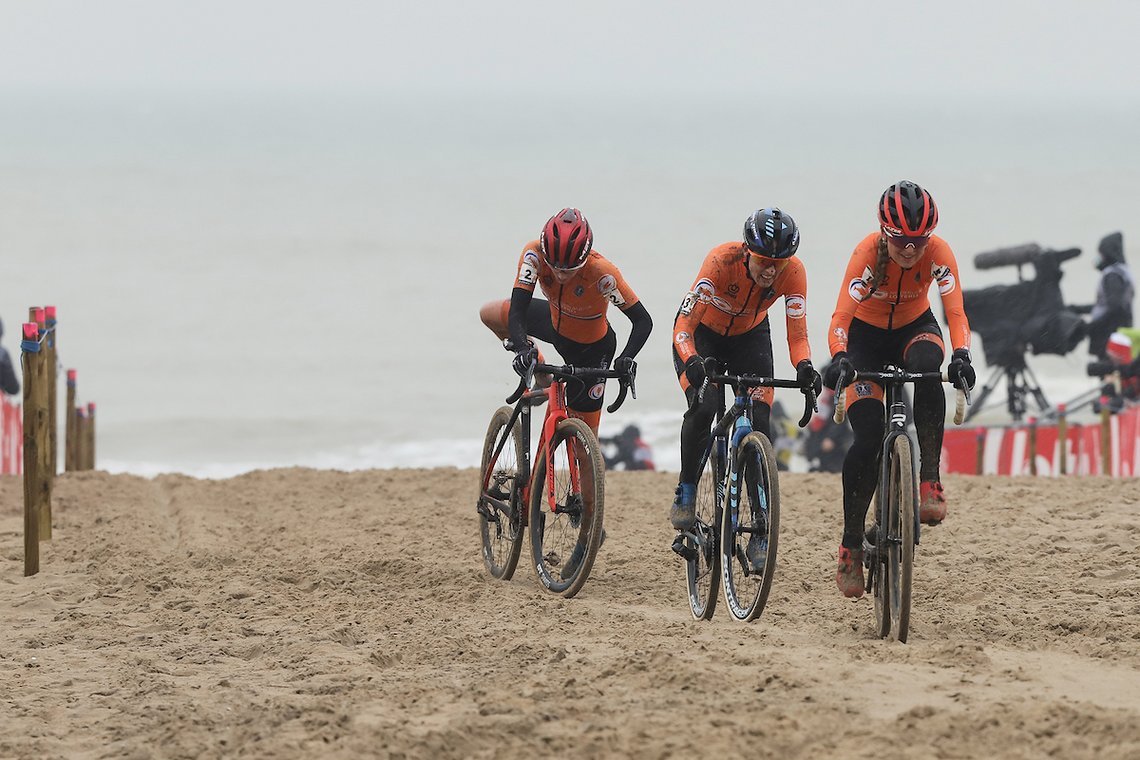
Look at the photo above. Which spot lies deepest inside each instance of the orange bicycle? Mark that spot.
(562, 500)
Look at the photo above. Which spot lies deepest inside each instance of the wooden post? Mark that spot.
(1105, 436)
(53, 405)
(32, 363)
(38, 315)
(1032, 445)
(980, 439)
(1062, 439)
(80, 439)
(71, 441)
(91, 435)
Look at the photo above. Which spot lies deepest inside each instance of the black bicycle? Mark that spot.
(562, 500)
(888, 543)
(737, 529)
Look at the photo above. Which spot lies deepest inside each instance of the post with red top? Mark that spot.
(90, 464)
(1105, 436)
(70, 439)
(52, 349)
(1032, 445)
(980, 441)
(37, 487)
(1062, 440)
(38, 314)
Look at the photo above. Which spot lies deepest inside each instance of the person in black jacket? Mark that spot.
(1114, 293)
(9, 383)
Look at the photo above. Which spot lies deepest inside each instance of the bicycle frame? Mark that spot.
(897, 424)
(555, 413)
(524, 398)
(737, 418)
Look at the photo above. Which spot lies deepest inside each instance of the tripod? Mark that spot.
(1019, 381)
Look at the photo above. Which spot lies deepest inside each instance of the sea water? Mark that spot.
(254, 281)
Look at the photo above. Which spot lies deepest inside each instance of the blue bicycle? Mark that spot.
(737, 530)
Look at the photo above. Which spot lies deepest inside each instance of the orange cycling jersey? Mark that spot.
(902, 297)
(577, 306)
(725, 299)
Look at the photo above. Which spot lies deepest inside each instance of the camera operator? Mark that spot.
(1114, 293)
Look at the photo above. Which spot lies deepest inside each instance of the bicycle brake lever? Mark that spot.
(810, 406)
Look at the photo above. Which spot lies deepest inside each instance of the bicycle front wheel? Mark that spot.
(500, 503)
(901, 498)
(702, 565)
(750, 528)
(566, 507)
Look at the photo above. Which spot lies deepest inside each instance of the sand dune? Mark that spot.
(302, 613)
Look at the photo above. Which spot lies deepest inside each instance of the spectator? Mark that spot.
(9, 383)
(826, 444)
(1113, 307)
(630, 451)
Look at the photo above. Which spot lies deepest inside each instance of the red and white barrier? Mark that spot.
(11, 438)
(1005, 451)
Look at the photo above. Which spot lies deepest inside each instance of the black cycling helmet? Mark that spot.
(908, 210)
(772, 233)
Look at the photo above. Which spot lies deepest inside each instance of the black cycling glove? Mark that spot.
(525, 357)
(840, 369)
(807, 377)
(961, 368)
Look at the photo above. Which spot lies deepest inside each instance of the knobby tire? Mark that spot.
(553, 536)
(746, 593)
(502, 536)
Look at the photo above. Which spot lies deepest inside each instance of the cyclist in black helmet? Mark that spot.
(724, 317)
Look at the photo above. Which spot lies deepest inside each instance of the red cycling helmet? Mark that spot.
(907, 210)
(566, 239)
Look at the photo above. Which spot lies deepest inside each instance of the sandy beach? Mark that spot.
(304, 613)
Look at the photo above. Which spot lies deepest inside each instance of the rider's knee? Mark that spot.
(923, 356)
(495, 315)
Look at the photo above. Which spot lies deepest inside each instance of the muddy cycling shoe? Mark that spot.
(683, 513)
(757, 553)
(849, 576)
(931, 502)
(576, 556)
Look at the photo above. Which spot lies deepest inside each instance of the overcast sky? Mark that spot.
(902, 51)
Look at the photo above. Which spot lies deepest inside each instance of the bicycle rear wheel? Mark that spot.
(500, 503)
(566, 522)
(750, 528)
(702, 564)
(900, 550)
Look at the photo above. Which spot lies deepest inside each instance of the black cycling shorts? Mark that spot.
(871, 348)
(749, 353)
(579, 396)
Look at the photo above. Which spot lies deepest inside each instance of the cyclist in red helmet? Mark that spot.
(883, 317)
(580, 285)
(724, 317)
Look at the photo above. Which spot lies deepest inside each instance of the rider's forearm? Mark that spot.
(641, 326)
(516, 321)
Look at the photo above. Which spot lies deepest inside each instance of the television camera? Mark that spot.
(1028, 316)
